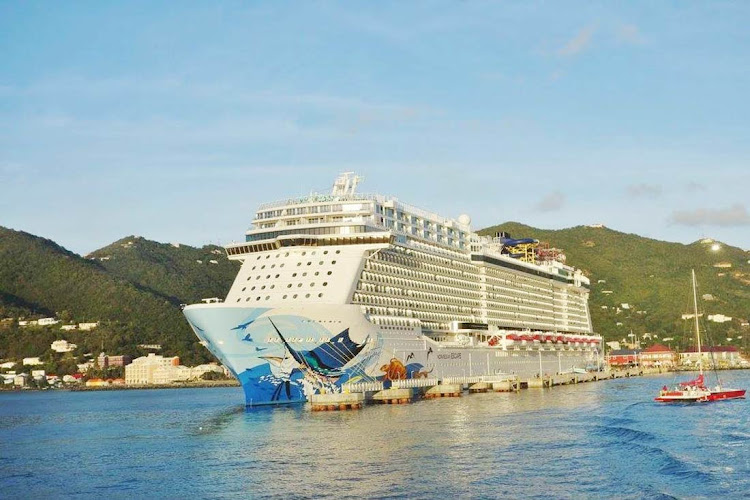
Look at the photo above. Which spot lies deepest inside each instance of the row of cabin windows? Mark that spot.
(294, 275)
(426, 281)
(284, 297)
(434, 275)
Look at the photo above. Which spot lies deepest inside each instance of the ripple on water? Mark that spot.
(606, 441)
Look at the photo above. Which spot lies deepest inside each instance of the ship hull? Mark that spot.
(283, 355)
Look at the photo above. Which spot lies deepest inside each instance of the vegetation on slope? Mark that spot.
(653, 278)
(38, 275)
(182, 273)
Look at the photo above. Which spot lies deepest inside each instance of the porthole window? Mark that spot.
(253, 269)
(289, 285)
(325, 283)
(294, 275)
(247, 299)
(283, 297)
(307, 296)
(304, 253)
(272, 287)
(299, 264)
(320, 295)
(258, 258)
(312, 284)
(294, 296)
(325, 252)
(268, 276)
(333, 262)
(309, 263)
(316, 273)
(244, 288)
(304, 274)
(268, 297)
(277, 275)
(299, 285)
(338, 251)
(320, 263)
(257, 298)
(263, 287)
(251, 289)
(281, 265)
(262, 267)
(329, 273)
(238, 300)
(268, 256)
(286, 254)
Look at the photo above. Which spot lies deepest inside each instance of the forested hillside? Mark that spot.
(40, 278)
(182, 273)
(653, 278)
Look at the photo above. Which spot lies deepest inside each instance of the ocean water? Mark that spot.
(595, 440)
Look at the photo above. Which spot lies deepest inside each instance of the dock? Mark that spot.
(355, 396)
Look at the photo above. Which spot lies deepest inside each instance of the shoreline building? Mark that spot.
(109, 361)
(624, 357)
(156, 369)
(725, 356)
(658, 356)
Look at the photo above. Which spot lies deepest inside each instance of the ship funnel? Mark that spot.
(345, 184)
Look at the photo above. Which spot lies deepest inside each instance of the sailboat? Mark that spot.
(695, 391)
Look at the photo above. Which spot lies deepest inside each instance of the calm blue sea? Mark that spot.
(598, 440)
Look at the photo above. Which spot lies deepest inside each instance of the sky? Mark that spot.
(175, 120)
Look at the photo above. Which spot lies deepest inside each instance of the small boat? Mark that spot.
(695, 391)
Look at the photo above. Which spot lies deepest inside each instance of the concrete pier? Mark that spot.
(337, 401)
(404, 391)
(480, 387)
(444, 391)
(393, 396)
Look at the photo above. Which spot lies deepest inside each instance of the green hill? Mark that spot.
(653, 278)
(182, 273)
(134, 286)
(39, 277)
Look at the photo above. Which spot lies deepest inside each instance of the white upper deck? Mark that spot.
(344, 212)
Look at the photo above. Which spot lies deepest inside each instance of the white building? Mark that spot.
(87, 326)
(67, 328)
(21, 379)
(142, 370)
(156, 369)
(8, 365)
(32, 361)
(719, 318)
(62, 346)
(47, 321)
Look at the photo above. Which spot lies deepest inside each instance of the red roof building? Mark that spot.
(658, 355)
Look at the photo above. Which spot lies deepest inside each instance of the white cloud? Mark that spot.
(551, 202)
(644, 190)
(578, 43)
(629, 33)
(736, 215)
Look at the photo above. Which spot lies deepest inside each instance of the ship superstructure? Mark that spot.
(338, 288)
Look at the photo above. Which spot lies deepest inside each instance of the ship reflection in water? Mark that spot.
(585, 441)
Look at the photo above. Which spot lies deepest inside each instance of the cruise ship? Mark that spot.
(344, 288)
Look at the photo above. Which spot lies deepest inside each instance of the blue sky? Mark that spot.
(175, 120)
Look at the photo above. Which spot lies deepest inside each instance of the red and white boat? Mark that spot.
(695, 391)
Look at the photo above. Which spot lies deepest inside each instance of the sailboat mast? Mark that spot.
(697, 328)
